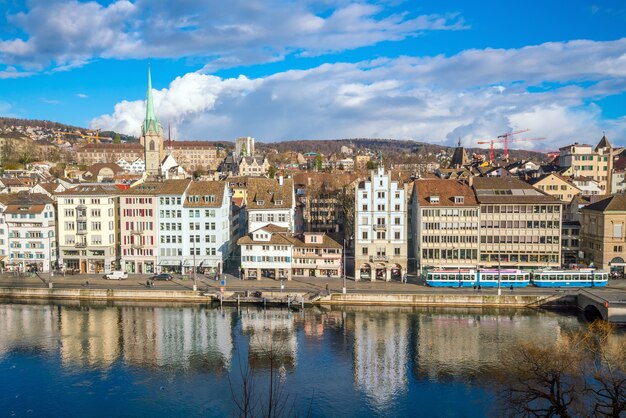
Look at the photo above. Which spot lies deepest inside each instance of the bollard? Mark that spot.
(237, 301)
(302, 302)
(263, 303)
(49, 285)
(288, 301)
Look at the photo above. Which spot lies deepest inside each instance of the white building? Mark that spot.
(30, 224)
(244, 146)
(380, 225)
(267, 252)
(137, 166)
(170, 232)
(272, 202)
(88, 229)
(207, 215)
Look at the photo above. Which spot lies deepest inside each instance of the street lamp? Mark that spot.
(195, 286)
(50, 273)
(499, 273)
(344, 266)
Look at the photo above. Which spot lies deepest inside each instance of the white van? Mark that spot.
(116, 275)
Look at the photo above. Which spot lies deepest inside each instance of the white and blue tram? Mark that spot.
(570, 278)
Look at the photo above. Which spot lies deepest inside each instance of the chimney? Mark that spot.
(280, 180)
(470, 181)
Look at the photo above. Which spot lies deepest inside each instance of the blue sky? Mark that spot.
(431, 71)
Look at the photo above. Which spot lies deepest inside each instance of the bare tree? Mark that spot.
(581, 374)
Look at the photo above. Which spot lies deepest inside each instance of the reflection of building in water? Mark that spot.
(316, 323)
(272, 333)
(89, 336)
(195, 338)
(381, 354)
(28, 326)
(457, 344)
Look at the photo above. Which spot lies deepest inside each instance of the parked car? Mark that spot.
(116, 275)
(162, 276)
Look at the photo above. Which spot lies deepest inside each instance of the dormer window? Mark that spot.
(433, 199)
(209, 198)
(459, 199)
(278, 202)
(260, 202)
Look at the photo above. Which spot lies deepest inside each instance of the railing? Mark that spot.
(80, 245)
(374, 258)
(81, 232)
(136, 246)
(380, 227)
(136, 231)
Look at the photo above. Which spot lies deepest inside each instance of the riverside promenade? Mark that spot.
(309, 290)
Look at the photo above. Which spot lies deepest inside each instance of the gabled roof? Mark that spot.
(202, 189)
(266, 193)
(154, 188)
(509, 190)
(91, 190)
(446, 190)
(614, 203)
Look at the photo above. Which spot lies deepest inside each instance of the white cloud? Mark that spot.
(431, 99)
(68, 33)
(82, 95)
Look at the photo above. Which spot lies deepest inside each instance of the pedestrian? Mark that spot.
(147, 283)
(87, 283)
(327, 290)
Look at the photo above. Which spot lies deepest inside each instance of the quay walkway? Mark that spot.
(309, 290)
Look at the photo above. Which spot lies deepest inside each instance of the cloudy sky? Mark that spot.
(431, 71)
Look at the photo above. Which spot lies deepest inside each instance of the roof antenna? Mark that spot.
(459, 142)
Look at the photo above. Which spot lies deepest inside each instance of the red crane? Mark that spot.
(506, 141)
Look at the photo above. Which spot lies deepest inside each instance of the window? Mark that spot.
(617, 230)
(364, 251)
(617, 248)
(364, 235)
(396, 251)
(459, 199)
(433, 199)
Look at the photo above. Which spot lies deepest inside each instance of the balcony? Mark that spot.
(82, 232)
(80, 245)
(136, 246)
(380, 227)
(378, 258)
(136, 231)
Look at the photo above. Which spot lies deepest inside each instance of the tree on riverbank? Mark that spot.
(580, 374)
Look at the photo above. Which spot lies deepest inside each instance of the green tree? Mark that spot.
(271, 172)
(117, 139)
(371, 165)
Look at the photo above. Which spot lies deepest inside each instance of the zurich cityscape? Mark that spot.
(325, 209)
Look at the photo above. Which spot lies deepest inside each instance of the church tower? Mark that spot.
(152, 136)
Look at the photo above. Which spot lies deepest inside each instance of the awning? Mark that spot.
(169, 263)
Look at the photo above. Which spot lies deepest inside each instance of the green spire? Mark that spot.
(150, 123)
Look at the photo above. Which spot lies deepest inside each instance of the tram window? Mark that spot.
(575, 277)
(559, 277)
(444, 277)
(552, 277)
(520, 277)
(466, 277)
(505, 277)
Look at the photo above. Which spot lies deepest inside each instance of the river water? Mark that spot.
(77, 360)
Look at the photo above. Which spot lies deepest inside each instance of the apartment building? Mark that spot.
(244, 146)
(273, 251)
(602, 233)
(445, 220)
(554, 184)
(360, 161)
(88, 228)
(207, 223)
(138, 227)
(587, 161)
(520, 226)
(253, 166)
(380, 225)
(173, 228)
(30, 223)
(270, 201)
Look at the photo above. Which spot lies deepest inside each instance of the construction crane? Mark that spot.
(506, 141)
(506, 136)
(90, 137)
(59, 133)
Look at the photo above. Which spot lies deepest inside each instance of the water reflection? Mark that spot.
(381, 353)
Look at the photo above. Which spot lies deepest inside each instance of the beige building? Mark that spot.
(380, 225)
(253, 166)
(193, 155)
(520, 226)
(108, 153)
(554, 184)
(88, 228)
(595, 163)
(602, 233)
(445, 220)
(360, 161)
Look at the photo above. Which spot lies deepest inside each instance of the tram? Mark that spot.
(570, 278)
